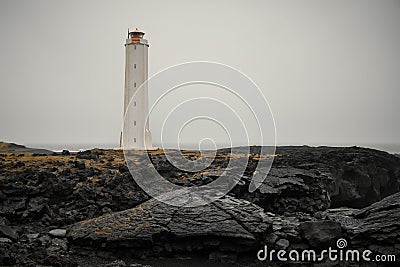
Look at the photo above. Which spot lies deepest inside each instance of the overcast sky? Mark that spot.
(329, 69)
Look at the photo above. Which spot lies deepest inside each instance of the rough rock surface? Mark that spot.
(321, 233)
(305, 178)
(307, 186)
(60, 190)
(228, 225)
(378, 226)
(361, 176)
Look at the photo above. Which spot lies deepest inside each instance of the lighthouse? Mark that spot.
(135, 100)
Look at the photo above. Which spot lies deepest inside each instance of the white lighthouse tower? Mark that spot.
(136, 74)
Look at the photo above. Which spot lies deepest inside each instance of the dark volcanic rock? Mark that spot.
(80, 165)
(376, 227)
(65, 194)
(227, 225)
(290, 210)
(65, 153)
(288, 190)
(285, 189)
(15, 148)
(7, 231)
(361, 176)
(89, 154)
(303, 178)
(379, 225)
(321, 233)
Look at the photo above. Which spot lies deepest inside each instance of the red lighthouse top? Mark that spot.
(135, 35)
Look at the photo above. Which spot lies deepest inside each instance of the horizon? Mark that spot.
(387, 147)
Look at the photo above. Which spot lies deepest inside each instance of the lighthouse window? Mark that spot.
(134, 139)
(134, 85)
(134, 103)
(134, 66)
(134, 47)
(134, 123)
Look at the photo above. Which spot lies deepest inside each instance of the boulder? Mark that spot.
(65, 153)
(33, 236)
(282, 244)
(7, 231)
(80, 165)
(5, 240)
(320, 233)
(58, 233)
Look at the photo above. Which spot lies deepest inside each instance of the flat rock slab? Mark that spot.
(240, 223)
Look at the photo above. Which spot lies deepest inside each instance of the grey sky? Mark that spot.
(329, 69)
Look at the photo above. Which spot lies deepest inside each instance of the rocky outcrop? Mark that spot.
(286, 189)
(226, 227)
(361, 176)
(229, 228)
(60, 190)
(15, 148)
(305, 178)
(69, 187)
(378, 226)
(289, 189)
(310, 198)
